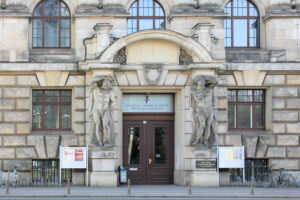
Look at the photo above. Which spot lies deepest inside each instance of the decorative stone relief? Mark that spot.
(102, 102)
(121, 57)
(185, 58)
(204, 35)
(153, 73)
(204, 123)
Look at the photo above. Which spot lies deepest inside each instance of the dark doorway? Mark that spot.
(149, 148)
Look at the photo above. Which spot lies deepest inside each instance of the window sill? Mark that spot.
(250, 132)
(52, 55)
(51, 132)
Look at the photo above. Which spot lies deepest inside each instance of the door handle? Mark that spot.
(150, 161)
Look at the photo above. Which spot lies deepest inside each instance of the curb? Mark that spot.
(156, 196)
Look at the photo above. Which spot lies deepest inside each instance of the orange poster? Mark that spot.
(78, 155)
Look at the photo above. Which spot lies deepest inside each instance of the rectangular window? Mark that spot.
(51, 109)
(246, 109)
(46, 172)
(255, 169)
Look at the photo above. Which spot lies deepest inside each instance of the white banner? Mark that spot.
(231, 157)
(73, 157)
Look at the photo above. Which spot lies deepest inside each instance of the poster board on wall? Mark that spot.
(231, 157)
(73, 157)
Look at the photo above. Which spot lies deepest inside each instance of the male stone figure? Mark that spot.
(102, 101)
(204, 133)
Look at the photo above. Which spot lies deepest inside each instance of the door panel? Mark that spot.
(133, 153)
(148, 151)
(160, 150)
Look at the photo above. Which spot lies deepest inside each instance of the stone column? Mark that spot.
(102, 167)
(103, 38)
(202, 31)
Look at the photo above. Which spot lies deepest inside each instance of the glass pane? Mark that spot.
(37, 96)
(252, 10)
(158, 10)
(51, 33)
(259, 116)
(253, 32)
(245, 95)
(258, 95)
(64, 11)
(133, 145)
(146, 24)
(244, 116)
(38, 10)
(228, 9)
(133, 9)
(51, 96)
(132, 25)
(232, 95)
(51, 117)
(231, 116)
(66, 96)
(240, 32)
(159, 23)
(65, 117)
(51, 7)
(160, 145)
(37, 115)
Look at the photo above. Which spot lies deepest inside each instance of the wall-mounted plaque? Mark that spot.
(151, 103)
(206, 164)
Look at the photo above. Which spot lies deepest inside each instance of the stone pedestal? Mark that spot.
(102, 168)
(200, 174)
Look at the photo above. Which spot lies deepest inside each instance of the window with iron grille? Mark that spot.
(51, 25)
(47, 172)
(242, 24)
(51, 109)
(255, 169)
(246, 109)
(145, 14)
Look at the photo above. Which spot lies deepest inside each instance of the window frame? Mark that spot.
(237, 103)
(154, 17)
(59, 18)
(43, 103)
(248, 18)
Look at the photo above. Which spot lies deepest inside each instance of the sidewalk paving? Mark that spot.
(152, 191)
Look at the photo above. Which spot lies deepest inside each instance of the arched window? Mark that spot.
(145, 14)
(242, 24)
(51, 25)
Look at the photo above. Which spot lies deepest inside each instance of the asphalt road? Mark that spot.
(39, 198)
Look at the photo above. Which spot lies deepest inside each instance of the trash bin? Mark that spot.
(123, 174)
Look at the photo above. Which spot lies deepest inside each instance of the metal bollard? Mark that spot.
(189, 188)
(69, 187)
(252, 187)
(7, 187)
(129, 190)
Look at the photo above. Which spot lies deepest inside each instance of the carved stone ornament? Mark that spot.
(185, 58)
(204, 123)
(121, 57)
(102, 103)
(153, 73)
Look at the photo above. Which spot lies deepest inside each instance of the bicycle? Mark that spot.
(15, 175)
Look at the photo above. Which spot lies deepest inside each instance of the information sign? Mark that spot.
(73, 157)
(231, 157)
(206, 164)
(136, 103)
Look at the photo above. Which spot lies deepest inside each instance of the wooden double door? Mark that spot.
(149, 148)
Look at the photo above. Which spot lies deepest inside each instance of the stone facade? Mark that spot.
(100, 46)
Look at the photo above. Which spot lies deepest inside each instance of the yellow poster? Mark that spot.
(229, 155)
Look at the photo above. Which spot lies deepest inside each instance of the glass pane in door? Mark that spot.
(160, 145)
(133, 145)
